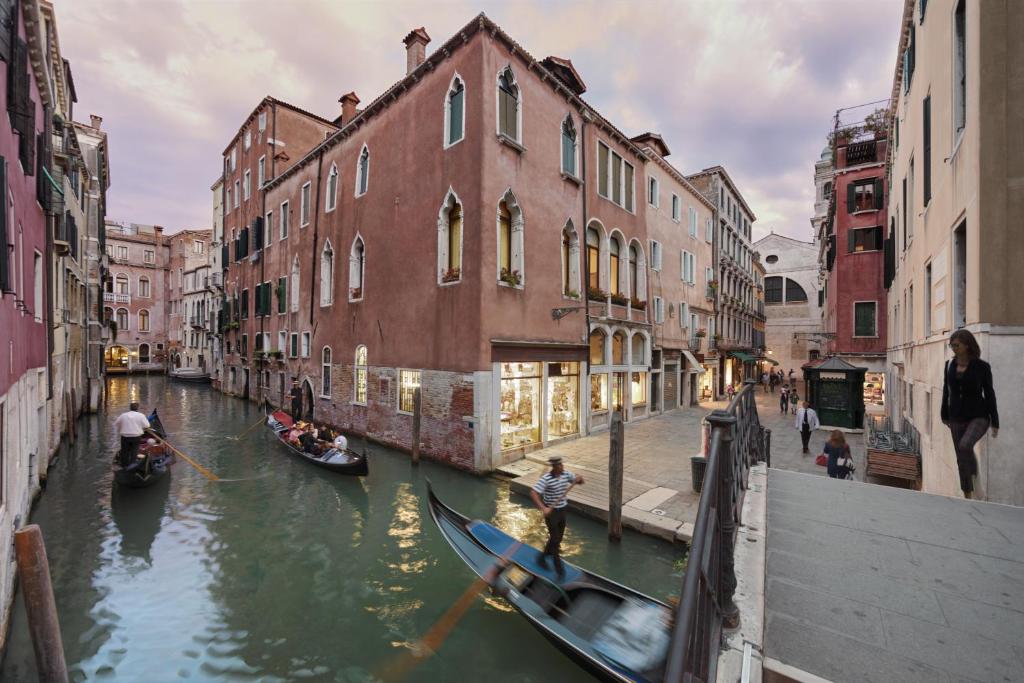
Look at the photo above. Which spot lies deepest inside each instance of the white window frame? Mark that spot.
(853, 314)
(653, 191)
(248, 139)
(331, 200)
(356, 369)
(676, 208)
(305, 203)
(398, 388)
(575, 173)
(327, 293)
(622, 179)
(519, 106)
(283, 221)
(261, 171)
(443, 228)
(293, 345)
(709, 230)
(262, 121)
(238, 193)
(362, 183)
(351, 269)
(655, 248)
(268, 229)
(693, 221)
(659, 310)
(282, 342)
(247, 184)
(687, 266)
(448, 142)
(684, 316)
(304, 344)
(325, 391)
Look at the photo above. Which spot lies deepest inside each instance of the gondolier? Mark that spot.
(550, 495)
(130, 426)
(296, 396)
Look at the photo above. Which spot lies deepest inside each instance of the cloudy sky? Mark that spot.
(751, 85)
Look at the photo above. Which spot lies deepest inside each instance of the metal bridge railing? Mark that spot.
(706, 606)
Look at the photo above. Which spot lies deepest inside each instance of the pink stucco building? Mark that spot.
(477, 231)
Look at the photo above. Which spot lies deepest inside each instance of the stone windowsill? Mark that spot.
(514, 144)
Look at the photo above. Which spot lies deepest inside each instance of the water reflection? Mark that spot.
(137, 514)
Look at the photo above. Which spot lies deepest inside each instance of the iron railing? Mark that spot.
(706, 606)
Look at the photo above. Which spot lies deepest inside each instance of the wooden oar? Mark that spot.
(237, 438)
(434, 638)
(202, 470)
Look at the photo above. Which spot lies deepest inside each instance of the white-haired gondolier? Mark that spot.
(130, 426)
(550, 494)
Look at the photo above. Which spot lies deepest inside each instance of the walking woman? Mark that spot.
(838, 452)
(968, 404)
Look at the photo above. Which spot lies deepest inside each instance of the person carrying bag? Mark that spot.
(839, 460)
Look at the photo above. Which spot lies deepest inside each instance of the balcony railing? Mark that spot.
(706, 606)
(111, 297)
(695, 343)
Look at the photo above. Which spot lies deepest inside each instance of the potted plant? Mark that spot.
(701, 333)
(596, 294)
(511, 277)
(451, 275)
(233, 325)
(620, 299)
(717, 337)
(278, 354)
(572, 294)
(355, 293)
(260, 356)
(637, 304)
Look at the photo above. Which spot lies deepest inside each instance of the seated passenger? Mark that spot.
(309, 442)
(340, 442)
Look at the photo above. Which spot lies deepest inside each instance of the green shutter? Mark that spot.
(5, 258)
(879, 194)
(927, 130)
(282, 294)
(851, 198)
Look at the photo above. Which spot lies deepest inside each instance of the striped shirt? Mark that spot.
(552, 488)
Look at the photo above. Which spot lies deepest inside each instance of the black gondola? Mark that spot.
(614, 632)
(151, 469)
(342, 461)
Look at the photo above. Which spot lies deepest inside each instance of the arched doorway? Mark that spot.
(307, 400)
(143, 353)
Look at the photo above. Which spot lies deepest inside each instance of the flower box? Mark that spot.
(355, 293)
(511, 277)
(451, 275)
(619, 299)
(638, 305)
(572, 294)
(596, 294)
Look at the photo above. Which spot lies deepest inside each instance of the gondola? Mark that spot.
(194, 375)
(342, 461)
(614, 632)
(153, 468)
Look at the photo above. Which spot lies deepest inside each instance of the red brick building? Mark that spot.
(477, 231)
(852, 236)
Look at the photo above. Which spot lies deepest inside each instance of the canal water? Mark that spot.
(282, 571)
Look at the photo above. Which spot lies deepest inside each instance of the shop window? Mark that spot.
(563, 399)
(618, 348)
(638, 391)
(597, 344)
(520, 404)
(360, 375)
(408, 383)
(599, 393)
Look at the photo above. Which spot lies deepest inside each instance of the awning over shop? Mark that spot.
(743, 357)
(770, 360)
(695, 366)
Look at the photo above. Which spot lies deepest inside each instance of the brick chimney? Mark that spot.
(415, 48)
(348, 107)
(95, 121)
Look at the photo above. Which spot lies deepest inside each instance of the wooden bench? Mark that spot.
(894, 464)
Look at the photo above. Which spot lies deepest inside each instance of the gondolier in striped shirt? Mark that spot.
(550, 494)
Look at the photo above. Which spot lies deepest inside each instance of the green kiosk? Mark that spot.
(835, 390)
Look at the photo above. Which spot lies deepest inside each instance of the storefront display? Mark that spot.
(520, 404)
(874, 388)
(599, 393)
(618, 390)
(563, 399)
(638, 393)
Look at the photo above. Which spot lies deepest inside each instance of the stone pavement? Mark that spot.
(873, 583)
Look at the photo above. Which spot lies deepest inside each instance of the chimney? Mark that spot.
(348, 107)
(95, 121)
(415, 48)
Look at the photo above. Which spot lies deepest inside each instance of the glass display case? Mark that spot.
(563, 399)
(874, 388)
(520, 404)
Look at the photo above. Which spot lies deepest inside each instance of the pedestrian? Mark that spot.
(549, 494)
(791, 373)
(784, 399)
(773, 380)
(130, 426)
(806, 422)
(764, 381)
(794, 398)
(968, 404)
(296, 395)
(838, 453)
(730, 391)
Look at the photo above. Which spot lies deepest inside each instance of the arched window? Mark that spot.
(121, 284)
(356, 270)
(638, 272)
(122, 319)
(570, 261)
(295, 284)
(332, 190)
(618, 348)
(143, 353)
(363, 172)
(143, 320)
(508, 105)
(327, 274)
(568, 147)
(633, 283)
(613, 266)
(455, 112)
(638, 349)
(510, 241)
(144, 287)
(773, 289)
(360, 375)
(826, 191)
(325, 372)
(597, 345)
(593, 259)
(449, 239)
(794, 292)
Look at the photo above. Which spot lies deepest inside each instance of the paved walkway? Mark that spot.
(874, 583)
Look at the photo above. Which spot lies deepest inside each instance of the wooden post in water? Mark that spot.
(616, 443)
(417, 414)
(34, 572)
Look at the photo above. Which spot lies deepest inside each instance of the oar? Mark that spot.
(238, 438)
(434, 638)
(202, 470)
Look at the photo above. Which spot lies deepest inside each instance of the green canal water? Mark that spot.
(283, 571)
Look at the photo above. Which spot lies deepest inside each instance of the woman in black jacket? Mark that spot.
(968, 404)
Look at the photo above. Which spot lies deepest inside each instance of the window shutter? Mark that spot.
(5, 259)
(851, 240)
(927, 130)
(8, 27)
(851, 198)
(879, 194)
(257, 234)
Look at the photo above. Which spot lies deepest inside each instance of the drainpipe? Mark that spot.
(316, 240)
(585, 276)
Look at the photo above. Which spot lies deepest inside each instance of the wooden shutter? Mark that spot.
(257, 231)
(5, 259)
(851, 198)
(879, 193)
(927, 129)
(8, 27)
(851, 240)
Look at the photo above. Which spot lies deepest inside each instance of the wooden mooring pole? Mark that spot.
(43, 625)
(616, 443)
(417, 414)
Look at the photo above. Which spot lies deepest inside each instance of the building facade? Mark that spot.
(189, 324)
(214, 336)
(956, 173)
(732, 337)
(135, 299)
(792, 301)
(513, 343)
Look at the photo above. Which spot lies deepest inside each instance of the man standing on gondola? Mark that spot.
(130, 426)
(296, 396)
(550, 495)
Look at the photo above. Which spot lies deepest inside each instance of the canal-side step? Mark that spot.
(519, 468)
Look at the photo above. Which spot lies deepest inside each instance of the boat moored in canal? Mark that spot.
(340, 460)
(154, 466)
(612, 631)
(194, 375)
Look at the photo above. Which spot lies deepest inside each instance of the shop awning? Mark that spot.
(743, 357)
(695, 366)
(770, 360)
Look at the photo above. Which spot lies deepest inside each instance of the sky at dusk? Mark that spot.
(751, 85)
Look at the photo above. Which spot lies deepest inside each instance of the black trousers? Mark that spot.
(556, 529)
(129, 449)
(805, 437)
(296, 407)
(965, 435)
